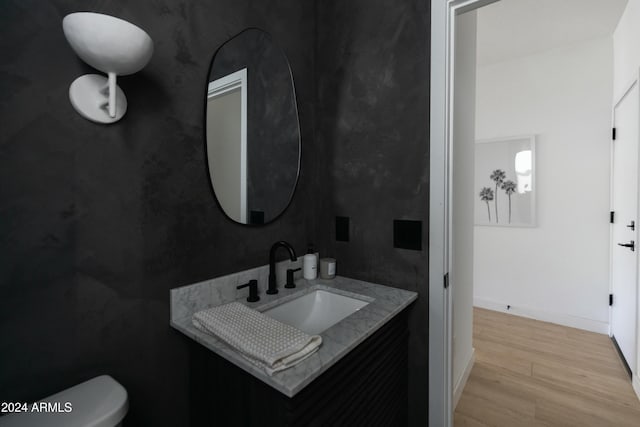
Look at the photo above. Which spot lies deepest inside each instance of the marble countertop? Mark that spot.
(384, 303)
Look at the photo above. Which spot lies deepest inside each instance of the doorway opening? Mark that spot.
(539, 248)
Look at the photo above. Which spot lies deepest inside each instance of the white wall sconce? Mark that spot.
(113, 46)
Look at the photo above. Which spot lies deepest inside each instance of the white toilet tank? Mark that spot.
(99, 402)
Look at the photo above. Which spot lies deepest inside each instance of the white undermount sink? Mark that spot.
(316, 311)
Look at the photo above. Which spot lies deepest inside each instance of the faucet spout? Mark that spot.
(273, 286)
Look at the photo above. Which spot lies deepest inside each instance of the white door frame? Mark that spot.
(443, 13)
(216, 88)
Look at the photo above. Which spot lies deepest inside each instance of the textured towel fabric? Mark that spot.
(266, 342)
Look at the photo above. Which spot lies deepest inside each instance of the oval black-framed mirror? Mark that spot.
(252, 130)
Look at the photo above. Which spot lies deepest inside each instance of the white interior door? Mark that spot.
(624, 199)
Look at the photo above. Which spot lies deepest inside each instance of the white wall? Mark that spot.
(461, 272)
(626, 54)
(626, 48)
(557, 271)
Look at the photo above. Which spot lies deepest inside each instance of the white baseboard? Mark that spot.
(545, 316)
(635, 382)
(459, 387)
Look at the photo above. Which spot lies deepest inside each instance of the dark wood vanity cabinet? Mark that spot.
(367, 387)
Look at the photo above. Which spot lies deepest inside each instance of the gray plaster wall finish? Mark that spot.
(97, 222)
(373, 115)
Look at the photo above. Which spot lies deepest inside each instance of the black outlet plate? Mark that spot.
(407, 234)
(342, 228)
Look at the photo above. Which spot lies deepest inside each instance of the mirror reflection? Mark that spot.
(252, 130)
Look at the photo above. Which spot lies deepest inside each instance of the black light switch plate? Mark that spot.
(407, 234)
(256, 217)
(342, 228)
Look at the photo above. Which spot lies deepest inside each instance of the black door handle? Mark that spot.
(632, 226)
(631, 245)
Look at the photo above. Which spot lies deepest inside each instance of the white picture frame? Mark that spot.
(505, 188)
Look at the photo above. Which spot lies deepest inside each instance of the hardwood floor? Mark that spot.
(531, 373)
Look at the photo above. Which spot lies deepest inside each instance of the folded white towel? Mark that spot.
(266, 342)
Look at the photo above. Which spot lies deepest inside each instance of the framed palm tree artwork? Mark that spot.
(505, 190)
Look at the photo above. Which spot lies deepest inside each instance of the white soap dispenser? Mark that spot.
(310, 264)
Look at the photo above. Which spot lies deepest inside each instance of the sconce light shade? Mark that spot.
(113, 46)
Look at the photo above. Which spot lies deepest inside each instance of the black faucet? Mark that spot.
(273, 286)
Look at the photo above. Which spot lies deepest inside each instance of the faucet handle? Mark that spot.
(290, 284)
(253, 290)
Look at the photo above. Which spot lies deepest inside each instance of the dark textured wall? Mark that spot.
(373, 115)
(273, 136)
(97, 222)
